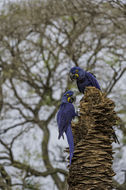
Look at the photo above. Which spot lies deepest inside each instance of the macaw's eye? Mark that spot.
(76, 71)
(67, 94)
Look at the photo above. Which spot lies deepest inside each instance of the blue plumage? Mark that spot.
(83, 78)
(64, 117)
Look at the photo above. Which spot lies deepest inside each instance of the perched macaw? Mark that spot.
(83, 78)
(64, 117)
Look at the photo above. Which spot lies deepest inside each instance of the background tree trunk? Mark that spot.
(93, 135)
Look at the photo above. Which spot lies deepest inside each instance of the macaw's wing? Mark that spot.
(93, 80)
(92, 74)
(64, 118)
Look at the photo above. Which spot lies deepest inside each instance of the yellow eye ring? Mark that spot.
(76, 75)
(67, 94)
(68, 99)
(76, 71)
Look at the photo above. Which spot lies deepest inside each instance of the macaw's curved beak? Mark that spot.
(72, 76)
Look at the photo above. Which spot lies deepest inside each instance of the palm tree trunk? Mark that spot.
(91, 166)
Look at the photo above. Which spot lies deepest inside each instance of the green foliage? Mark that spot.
(124, 140)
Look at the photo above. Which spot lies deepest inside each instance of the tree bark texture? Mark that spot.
(91, 166)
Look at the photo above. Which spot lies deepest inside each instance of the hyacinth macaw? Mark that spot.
(64, 117)
(83, 78)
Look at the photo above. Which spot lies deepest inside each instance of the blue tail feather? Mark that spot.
(70, 140)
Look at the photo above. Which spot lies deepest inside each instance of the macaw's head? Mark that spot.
(76, 73)
(68, 97)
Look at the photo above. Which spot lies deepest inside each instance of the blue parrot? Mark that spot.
(83, 78)
(64, 117)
